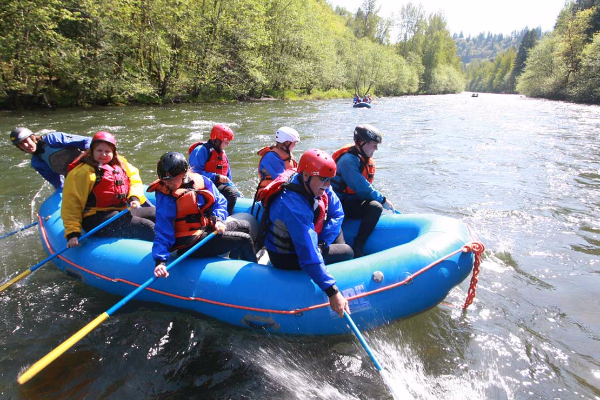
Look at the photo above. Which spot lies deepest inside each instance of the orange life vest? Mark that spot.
(265, 178)
(283, 181)
(217, 162)
(190, 220)
(111, 187)
(366, 167)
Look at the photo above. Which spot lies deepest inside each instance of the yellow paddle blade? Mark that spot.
(15, 279)
(57, 352)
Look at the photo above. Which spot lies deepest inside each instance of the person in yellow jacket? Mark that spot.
(100, 183)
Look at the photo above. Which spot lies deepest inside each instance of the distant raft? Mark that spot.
(362, 105)
(412, 264)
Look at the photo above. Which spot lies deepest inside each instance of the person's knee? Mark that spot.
(375, 208)
(229, 192)
(237, 225)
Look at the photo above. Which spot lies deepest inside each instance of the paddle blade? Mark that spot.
(57, 352)
(15, 279)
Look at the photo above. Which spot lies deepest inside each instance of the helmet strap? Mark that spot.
(217, 144)
(360, 149)
(307, 186)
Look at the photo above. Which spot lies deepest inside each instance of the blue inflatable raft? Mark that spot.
(362, 105)
(399, 278)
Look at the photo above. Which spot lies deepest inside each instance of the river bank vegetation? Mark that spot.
(561, 65)
(63, 53)
(60, 53)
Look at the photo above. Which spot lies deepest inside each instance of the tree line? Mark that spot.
(563, 64)
(59, 53)
(485, 46)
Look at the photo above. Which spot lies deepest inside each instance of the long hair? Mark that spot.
(87, 156)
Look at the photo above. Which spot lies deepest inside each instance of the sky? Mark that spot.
(475, 16)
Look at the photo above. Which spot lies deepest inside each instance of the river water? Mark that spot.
(523, 173)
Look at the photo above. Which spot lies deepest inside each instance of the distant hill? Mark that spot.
(486, 46)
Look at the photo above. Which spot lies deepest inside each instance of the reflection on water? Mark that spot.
(524, 174)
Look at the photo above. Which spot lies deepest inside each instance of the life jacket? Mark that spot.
(270, 193)
(110, 189)
(190, 220)
(366, 167)
(217, 162)
(58, 159)
(265, 178)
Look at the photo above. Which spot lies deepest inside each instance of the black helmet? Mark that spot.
(367, 133)
(19, 134)
(171, 164)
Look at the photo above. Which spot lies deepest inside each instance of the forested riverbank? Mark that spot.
(562, 65)
(62, 53)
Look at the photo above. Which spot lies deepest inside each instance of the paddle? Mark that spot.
(57, 352)
(19, 230)
(383, 373)
(53, 256)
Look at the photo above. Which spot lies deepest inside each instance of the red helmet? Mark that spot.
(103, 136)
(317, 162)
(221, 132)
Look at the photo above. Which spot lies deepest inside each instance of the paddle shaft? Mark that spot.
(58, 253)
(362, 341)
(386, 379)
(19, 230)
(57, 352)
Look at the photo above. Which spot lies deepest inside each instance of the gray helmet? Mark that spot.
(19, 134)
(171, 164)
(367, 133)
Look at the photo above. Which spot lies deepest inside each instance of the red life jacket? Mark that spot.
(265, 178)
(111, 188)
(366, 167)
(217, 162)
(283, 181)
(190, 220)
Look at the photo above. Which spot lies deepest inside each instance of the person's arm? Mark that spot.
(198, 160)
(136, 187)
(349, 169)
(60, 139)
(46, 172)
(335, 217)
(220, 207)
(164, 228)
(297, 216)
(78, 186)
(273, 164)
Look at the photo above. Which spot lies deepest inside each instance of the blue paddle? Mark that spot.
(383, 373)
(58, 253)
(66, 345)
(19, 230)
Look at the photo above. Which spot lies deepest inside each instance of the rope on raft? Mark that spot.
(476, 248)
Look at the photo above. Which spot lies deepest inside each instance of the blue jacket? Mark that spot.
(271, 163)
(295, 211)
(348, 170)
(56, 140)
(166, 210)
(198, 159)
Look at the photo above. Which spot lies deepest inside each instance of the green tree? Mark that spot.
(545, 74)
(587, 87)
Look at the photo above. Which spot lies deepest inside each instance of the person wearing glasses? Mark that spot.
(353, 183)
(302, 223)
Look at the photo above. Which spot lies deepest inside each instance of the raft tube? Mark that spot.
(392, 278)
(361, 105)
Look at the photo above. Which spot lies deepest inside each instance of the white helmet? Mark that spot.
(286, 134)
